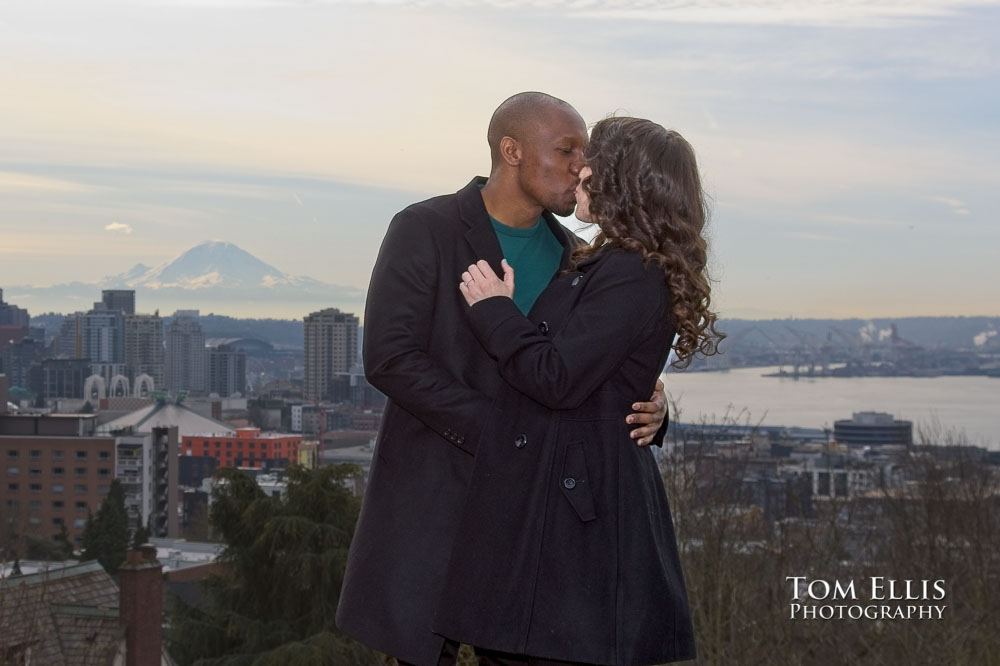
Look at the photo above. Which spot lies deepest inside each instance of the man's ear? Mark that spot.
(510, 150)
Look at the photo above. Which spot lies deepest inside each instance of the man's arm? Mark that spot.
(400, 308)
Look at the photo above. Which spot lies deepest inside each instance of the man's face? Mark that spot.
(552, 156)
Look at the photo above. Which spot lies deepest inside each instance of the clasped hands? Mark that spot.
(480, 282)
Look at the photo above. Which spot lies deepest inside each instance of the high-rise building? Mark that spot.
(69, 342)
(119, 300)
(227, 371)
(103, 339)
(14, 323)
(57, 470)
(16, 360)
(331, 348)
(60, 378)
(144, 347)
(11, 315)
(186, 360)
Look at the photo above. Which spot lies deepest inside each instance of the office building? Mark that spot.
(119, 300)
(186, 360)
(144, 353)
(331, 350)
(873, 428)
(248, 447)
(103, 336)
(227, 371)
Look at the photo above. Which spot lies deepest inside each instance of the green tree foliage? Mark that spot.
(105, 536)
(285, 560)
(140, 536)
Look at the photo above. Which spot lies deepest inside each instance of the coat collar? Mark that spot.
(483, 238)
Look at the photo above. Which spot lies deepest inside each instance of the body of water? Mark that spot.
(960, 404)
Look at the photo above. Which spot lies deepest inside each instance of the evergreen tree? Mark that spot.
(141, 535)
(285, 560)
(105, 536)
(63, 546)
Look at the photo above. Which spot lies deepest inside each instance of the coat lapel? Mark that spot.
(480, 234)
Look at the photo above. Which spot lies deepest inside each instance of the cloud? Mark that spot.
(10, 180)
(958, 207)
(813, 237)
(118, 226)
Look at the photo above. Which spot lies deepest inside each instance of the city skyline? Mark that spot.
(848, 148)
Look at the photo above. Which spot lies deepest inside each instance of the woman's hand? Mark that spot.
(480, 282)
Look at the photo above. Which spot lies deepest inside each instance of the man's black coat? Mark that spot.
(420, 351)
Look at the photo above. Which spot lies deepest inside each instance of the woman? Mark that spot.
(567, 550)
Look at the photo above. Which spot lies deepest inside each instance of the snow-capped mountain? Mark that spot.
(211, 276)
(211, 264)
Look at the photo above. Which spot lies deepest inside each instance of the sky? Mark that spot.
(849, 149)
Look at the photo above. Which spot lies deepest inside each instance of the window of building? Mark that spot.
(229, 454)
(57, 521)
(12, 504)
(13, 487)
(229, 445)
(35, 471)
(104, 472)
(253, 445)
(80, 506)
(58, 454)
(79, 522)
(35, 454)
(104, 455)
(205, 442)
(58, 471)
(218, 445)
(80, 471)
(81, 455)
(35, 505)
(13, 471)
(79, 488)
(13, 454)
(58, 504)
(35, 487)
(103, 490)
(57, 487)
(34, 520)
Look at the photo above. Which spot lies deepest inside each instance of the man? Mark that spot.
(420, 352)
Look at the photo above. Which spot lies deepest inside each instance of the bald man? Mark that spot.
(420, 352)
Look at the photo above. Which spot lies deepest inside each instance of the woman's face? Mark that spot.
(582, 198)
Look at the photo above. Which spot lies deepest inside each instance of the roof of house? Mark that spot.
(67, 617)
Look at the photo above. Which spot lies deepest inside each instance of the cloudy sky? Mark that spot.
(850, 148)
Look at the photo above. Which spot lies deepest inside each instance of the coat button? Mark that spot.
(569, 483)
(543, 328)
(576, 280)
(520, 441)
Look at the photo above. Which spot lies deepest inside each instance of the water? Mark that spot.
(969, 404)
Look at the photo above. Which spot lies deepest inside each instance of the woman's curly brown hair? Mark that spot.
(646, 197)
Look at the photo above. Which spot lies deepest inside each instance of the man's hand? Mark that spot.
(649, 416)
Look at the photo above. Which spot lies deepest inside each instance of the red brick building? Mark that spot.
(55, 470)
(247, 448)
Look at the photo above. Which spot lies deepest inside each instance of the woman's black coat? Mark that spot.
(566, 548)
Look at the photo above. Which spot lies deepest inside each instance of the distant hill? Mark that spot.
(943, 332)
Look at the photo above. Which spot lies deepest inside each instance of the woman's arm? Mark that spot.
(561, 371)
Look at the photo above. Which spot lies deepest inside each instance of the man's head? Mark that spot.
(536, 145)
